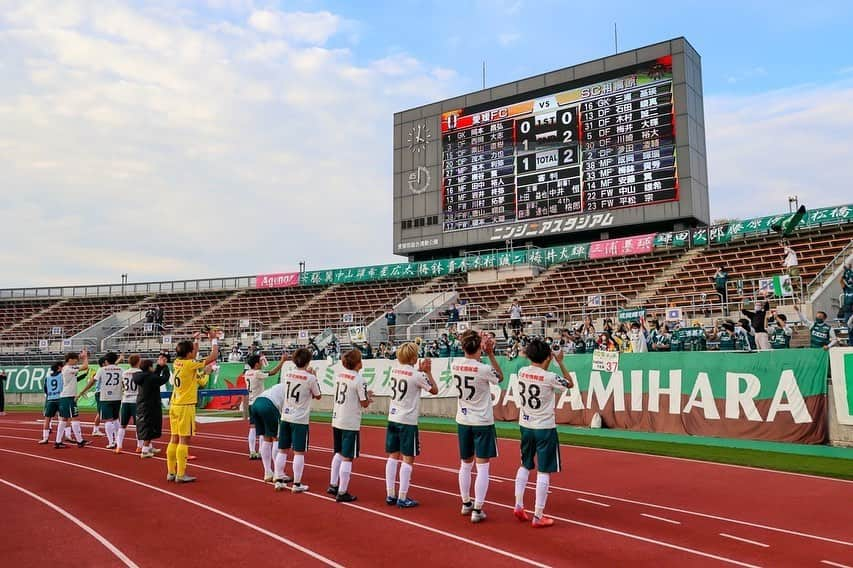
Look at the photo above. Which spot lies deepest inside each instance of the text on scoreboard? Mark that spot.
(607, 145)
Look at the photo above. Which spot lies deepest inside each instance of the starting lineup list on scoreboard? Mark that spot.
(604, 146)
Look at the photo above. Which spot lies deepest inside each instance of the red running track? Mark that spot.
(612, 508)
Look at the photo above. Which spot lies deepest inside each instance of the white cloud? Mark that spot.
(303, 27)
(507, 39)
(176, 148)
(764, 147)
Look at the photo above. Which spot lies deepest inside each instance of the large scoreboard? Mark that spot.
(589, 149)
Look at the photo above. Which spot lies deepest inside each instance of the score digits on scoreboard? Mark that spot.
(606, 145)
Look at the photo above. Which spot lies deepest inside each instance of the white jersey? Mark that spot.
(69, 380)
(255, 383)
(129, 389)
(350, 391)
(535, 397)
(109, 377)
(406, 386)
(276, 394)
(301, 386)
(474, 382)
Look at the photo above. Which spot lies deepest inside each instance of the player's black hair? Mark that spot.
(111, 357)
(537, 351)
(102, 361)
(70, 356)
(301, 357)
(146, 365)
(166, 355)
(56, 367)
(253, 360)
(782, 317)
(184, 348)
(821, 313)
(729, 326)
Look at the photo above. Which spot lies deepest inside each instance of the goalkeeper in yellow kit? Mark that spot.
(187, 377)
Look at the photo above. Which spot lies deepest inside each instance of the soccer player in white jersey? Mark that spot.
(129, 394)
(107, 381)
(301, 387)
(266, 415)
(475, 418)
(351, 395)
(540, 445)
(52, 392)
(71, 373)
(256, 384)
(401, 437)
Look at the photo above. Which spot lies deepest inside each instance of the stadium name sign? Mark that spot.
(27, 379)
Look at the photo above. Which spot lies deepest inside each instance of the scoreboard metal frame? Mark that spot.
(569, 155)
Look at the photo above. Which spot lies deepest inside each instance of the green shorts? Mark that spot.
(265, 416)
(292, 435)
(68, 407)
(127, 411)
(109, 409)
(51, 408)
(251, 418)
(402, 438)
(98, 403)
(540, 447)
(346, 442)
(477, 441)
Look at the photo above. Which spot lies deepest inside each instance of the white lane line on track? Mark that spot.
(330, 499)
(664, 519)
(592, 502)
(279, 538)
(746, 540)
(836, 564)
(92, 532)
(635, 502)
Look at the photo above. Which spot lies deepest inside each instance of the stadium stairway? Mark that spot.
(289, 318)
(655, 286)
(22, 324)
(501, 311)
(199, 320)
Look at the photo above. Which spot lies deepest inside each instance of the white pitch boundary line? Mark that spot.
(746, 540)
(288, 542)
(592, 502)
(233, 474)
(664, 519)
(836, 564)
(92, 532)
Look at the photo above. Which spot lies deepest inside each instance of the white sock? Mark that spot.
(405, 479)
(481, 486)
(110, 428)
(120, 437)
(336, 466)
(298, 467)
(465, 481)
(391, 476)
(266, 457)
(78, 431)
(95, 429)
(60, 430)
(68, 431)
(280, 463)
(45, 434)
(346, 472)
(138, 442)
(543, 480)
(521, 478)
(252, 440)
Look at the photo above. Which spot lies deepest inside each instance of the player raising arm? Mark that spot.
(256, 384)
(182, 405)
(401, 437)
(107, 382)
(73, 371)
(540, 445)
(52, 392)
(129, 394)
(475, 418)
(301, 386)
(149, 409)
(351, 395)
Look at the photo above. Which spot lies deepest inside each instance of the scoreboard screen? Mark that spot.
(600, 146)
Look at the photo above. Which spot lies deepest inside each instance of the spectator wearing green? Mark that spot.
(726, 336)
(846, 291)
(781, 332)
(821, 334)
(721, 281)
(659, 339)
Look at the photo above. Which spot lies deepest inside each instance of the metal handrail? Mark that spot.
(830, 267)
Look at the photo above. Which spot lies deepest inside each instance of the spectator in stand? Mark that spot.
(452, 314)
(725, 335)
(659, 338)
(606, 343)
(620, 337)
(159, 316)
(637, 337)
(3, 379)
(235, 356)
(515, 316)
(149, 315)
(790, 262)
(568, 342)
(780, 331)
(391, 322)
(846, 292)
(758, 321)
(821, 334)
(721, 281)
(744, 337)
(608, 326)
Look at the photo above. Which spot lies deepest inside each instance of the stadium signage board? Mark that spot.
(628, 246)
(632, 315)
(278, 280)
(607, 361)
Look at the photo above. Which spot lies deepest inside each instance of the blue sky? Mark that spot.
(249, 132)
